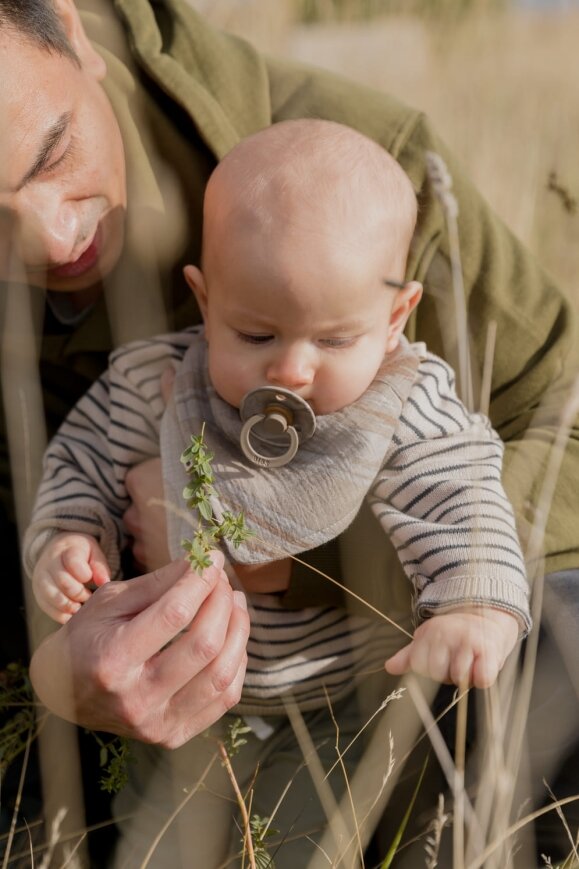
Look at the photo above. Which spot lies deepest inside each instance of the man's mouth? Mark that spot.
(86, 261)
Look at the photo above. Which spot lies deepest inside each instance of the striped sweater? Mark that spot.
(438, 495)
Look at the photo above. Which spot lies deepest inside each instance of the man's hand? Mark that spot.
(68, 563)
(123, 665)
(460, 647)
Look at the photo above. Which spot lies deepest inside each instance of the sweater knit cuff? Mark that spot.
(457, 592)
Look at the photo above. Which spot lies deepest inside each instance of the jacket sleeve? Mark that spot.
(439, 498)
(112, 428)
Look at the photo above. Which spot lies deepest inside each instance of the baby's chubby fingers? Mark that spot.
(75, 560)
(485, 670)
(99, 566)
(464, 647)
(61, 616)
(422, 657)
(69, 586)
(55, 602)
(399, 664)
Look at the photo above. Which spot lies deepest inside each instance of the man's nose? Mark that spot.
(48, 231)
(293, 368)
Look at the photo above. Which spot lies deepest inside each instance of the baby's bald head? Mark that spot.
(311, 180)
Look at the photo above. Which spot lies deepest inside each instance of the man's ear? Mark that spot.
(196, 282)
(89, 58)
(404, 303)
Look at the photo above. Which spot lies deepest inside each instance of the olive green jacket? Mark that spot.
(185, 94)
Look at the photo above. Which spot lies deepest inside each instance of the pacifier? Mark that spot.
(276, 418)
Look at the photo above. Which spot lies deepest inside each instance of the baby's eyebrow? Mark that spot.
(398, 285)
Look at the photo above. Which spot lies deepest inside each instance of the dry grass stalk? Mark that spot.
(442, 183)
(54, 838)
(336, 822)
(486, 380)
(432, 843)
(563, 819)
(459, 770)
(481, 861)
(179, 808)
(17, 802)
(443, 755)
(178, 511)
(346, 779)
(394, 695)
(247, 839)
(522, 688)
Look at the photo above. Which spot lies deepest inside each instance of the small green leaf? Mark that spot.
(204, 508)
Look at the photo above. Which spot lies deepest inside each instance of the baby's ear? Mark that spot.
(404, 303)
(196, 282)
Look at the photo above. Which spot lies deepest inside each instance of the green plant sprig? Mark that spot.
(17, 713)
(114, 758)
(197, 460)
(260, 831)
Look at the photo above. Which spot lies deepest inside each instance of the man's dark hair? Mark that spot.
(38, 21)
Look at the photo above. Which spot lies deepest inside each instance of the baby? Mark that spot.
(302, 285)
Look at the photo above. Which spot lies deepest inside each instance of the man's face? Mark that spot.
(62, 168)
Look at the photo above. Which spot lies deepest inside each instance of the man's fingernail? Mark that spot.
(240, 600)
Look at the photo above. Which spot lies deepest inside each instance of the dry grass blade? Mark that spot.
(442, 183)
(69, 860)
(432, 845)
(336, 822)
(486, 381)
(459, 768)
(561, 814)
(54, 838)
(175, 813)
(482, 858)
(17, 801)
(247, 839)
(167, 505)
(346, 779)
(444, 758)
(523, 688)
(394, 695)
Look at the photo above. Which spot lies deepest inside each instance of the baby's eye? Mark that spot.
(254, 339)
(337, 343)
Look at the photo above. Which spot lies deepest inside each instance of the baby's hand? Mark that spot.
(465, 647)
(67, 564)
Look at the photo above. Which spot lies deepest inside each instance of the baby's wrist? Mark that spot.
(504, 618)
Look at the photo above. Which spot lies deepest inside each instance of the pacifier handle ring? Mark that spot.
(259, 458)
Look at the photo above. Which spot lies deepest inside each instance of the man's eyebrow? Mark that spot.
(49, 144)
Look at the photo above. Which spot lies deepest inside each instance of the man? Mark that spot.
(104, 154)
